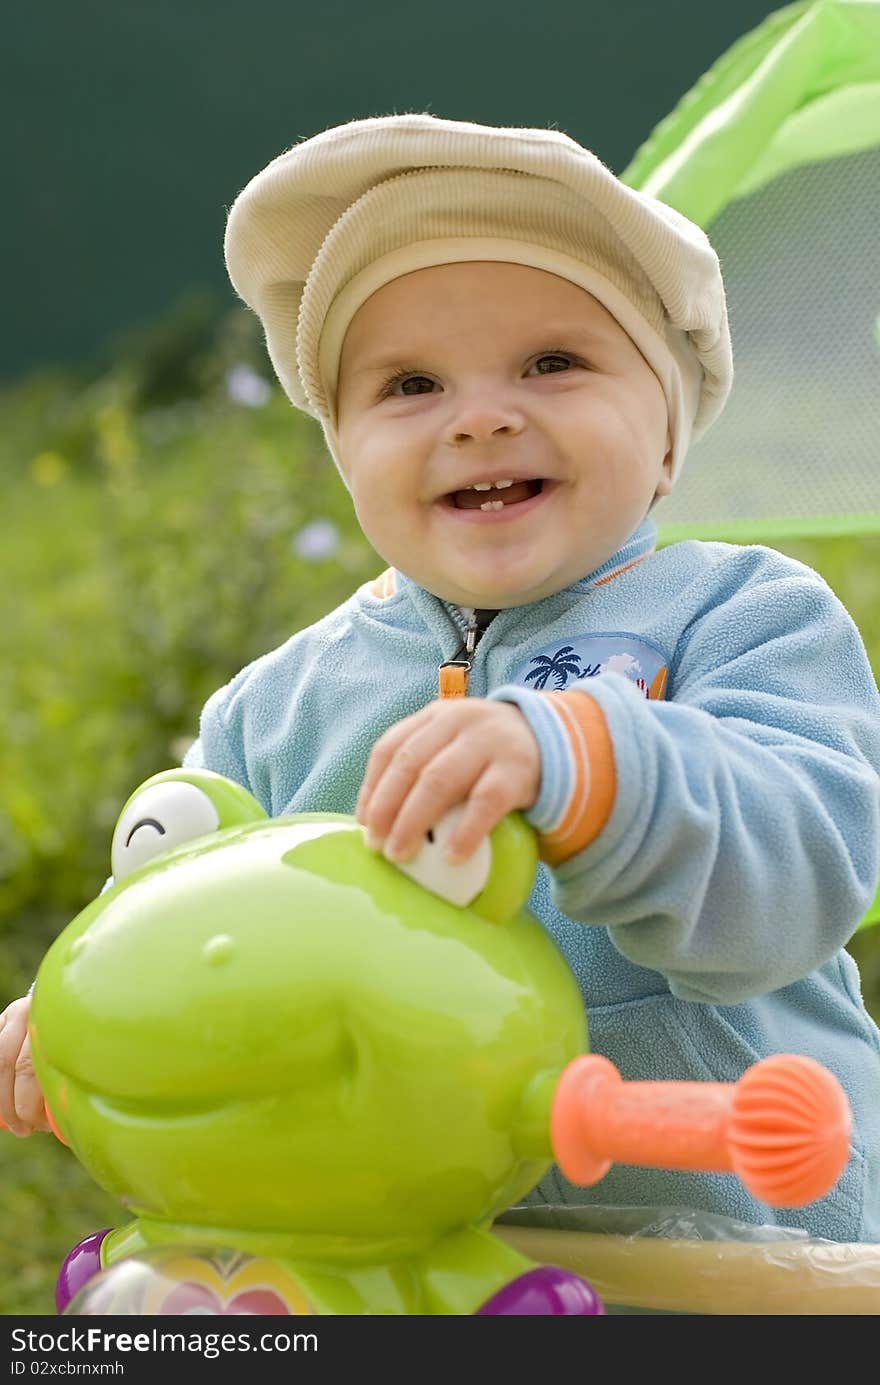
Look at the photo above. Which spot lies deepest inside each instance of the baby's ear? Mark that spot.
(664, 481)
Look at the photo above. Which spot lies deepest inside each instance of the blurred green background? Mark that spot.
(129, 128)
(167, 515)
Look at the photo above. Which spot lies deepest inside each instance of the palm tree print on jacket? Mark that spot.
(641, 661)
(560, 667)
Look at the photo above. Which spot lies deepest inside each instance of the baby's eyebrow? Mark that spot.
(547, 337)
(383, 364)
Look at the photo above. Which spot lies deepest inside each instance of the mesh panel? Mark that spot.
(800, 437)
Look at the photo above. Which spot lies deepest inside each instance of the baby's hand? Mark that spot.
(461, 751)
(21, 1101)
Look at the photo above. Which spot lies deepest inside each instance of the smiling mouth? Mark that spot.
(328, 1058)
(496, 497)
(167, 1114)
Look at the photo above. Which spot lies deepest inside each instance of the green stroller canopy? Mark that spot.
(776, 153)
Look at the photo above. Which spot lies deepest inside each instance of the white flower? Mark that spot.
(244, 386)
(317, 540)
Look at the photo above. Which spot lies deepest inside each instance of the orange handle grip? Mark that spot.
(783, 1128)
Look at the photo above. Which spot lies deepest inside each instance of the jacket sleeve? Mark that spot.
(741, 847)
(215, 747)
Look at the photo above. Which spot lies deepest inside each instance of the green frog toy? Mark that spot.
(314, 1078)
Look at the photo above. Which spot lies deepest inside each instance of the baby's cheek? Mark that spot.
(383, 530)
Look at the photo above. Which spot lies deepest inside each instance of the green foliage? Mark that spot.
(149, 556)
(49, 1203)
(149, 553)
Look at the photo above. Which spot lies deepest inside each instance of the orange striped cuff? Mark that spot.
(594, 782)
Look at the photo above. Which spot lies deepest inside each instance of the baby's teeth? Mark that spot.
(490, 485)
(491, 504)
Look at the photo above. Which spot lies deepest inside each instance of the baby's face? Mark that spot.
(461, 375)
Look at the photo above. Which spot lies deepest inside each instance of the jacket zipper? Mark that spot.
(452, 675)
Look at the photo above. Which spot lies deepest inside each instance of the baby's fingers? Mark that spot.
(381, 755)
(17, 1072)
(495, 793)
(405, 767)
(29, 1102)
(443, 782)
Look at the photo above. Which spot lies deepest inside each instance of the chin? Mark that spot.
(503, 596)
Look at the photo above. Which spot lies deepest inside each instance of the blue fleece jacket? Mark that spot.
(706, 922)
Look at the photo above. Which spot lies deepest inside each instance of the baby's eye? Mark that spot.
(407, 383)
(161, 817)
(553, 362)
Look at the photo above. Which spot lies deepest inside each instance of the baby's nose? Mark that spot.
(483, 419)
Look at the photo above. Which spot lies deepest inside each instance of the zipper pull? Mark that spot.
(453, 673)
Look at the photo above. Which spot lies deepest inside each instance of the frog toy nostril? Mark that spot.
(219, 949)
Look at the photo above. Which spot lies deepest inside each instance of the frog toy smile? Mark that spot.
(329, 1073)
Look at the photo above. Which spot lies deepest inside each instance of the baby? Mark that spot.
(509, 352)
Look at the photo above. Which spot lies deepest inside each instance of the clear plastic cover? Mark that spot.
(677, 1260)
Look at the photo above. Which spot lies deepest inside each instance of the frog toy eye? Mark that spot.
(494, 882)
(174, 807)
(457, 884)
(158, 819)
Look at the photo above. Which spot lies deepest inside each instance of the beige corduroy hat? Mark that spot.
(332, 220)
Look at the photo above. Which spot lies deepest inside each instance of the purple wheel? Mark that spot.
(78, 1267)
(545, 1292)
